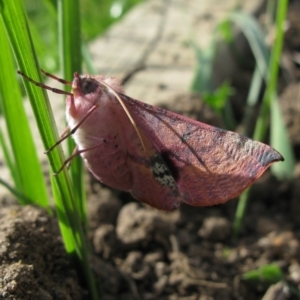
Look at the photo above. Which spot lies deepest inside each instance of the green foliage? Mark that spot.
(266, 274)
(217, 99)
(267, 69)
(45, 21)
(18, 146)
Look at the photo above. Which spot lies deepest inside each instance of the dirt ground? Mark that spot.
(142, 253)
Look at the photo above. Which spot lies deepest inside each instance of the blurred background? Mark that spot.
(232, 64)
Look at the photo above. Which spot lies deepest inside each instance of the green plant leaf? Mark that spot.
(70, 61)
(23, 163)
(268, 273)
(17, 30)
(280, 141)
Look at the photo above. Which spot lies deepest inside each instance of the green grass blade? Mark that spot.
(280, 141)
(255, 37)
(15, 192)
(250, 112)
(240, 212)
(269, 71)
(255, 87)
(69, 36)
(272, 78)
(70, 61)
(279, 138)
(9, 160)
(17, 29)
(30, 182)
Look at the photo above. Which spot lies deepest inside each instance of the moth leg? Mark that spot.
(65, 135)
(72, 155)
(65, 132)
(76, 152)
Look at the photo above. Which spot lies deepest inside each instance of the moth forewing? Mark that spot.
(161, 157)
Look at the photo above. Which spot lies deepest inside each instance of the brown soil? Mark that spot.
(143, 253)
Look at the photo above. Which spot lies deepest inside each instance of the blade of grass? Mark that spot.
(268, 70)
(69, 220)
(27, 170)
(15, 192)
(70, 61)
(240, 212)
(255, 37)
(16, 25)
(9, 160)
(255, 87)
(260, 130)
(280, 142)
(250, 112)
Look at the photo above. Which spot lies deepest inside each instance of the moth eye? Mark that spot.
(88, 86)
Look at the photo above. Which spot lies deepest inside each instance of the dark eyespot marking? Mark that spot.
(88, 85)
(161, 172)
(174, 171)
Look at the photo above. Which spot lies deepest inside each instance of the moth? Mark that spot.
(160, 157)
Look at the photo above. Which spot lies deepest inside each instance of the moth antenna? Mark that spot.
(57, 78)
(126, 111)
(44, 86)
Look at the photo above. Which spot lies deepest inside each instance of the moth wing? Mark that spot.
(153, 182)
(210, 165)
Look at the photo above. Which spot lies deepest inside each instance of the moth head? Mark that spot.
(86, 85)
(89, 91)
